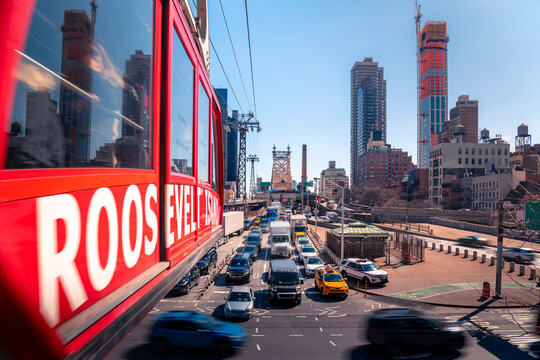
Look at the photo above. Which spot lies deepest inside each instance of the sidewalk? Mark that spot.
(448, 233)
(451, 280)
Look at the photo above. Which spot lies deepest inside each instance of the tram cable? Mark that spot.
(251, 60)
(234, 52)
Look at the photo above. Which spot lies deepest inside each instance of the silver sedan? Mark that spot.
(239, 303)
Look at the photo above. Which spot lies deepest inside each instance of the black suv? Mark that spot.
(398, 329)
(239, 269)
(253, 250)
(208, 261)
(188, 281)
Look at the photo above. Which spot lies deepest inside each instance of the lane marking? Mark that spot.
(257, 335)
(336, 334)
(300, 316)
(220, 292)
(316, 319)
(258, 347)
(256, 330)
(296, 335)
(320, 328)
(257, 319)
(331, 342)
(264, 267)
(267, 316)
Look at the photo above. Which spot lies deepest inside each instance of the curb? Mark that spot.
(481, 306)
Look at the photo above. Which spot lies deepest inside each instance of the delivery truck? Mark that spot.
(233, 223)
(280, 239)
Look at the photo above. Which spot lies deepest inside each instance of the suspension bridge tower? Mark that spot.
(252, 183)
(281, 170)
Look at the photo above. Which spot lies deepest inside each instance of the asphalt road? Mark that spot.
(326, 328)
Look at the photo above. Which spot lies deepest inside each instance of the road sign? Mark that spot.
(308, 183)
(532, 216)
(266, 184)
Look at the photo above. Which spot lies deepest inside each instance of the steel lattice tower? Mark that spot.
(252, 183)
(245, 123)
(281, 170)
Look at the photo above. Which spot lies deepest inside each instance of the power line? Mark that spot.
(234, 52)
(225, 73)
(251, 60)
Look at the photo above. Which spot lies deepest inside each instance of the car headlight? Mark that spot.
(227, 308)
(345, 287)
(327, 287)
(246, 272)
(249, 308)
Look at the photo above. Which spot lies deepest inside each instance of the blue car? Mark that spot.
(185, 329)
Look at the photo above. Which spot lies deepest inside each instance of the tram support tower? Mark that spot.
(281, 170)
(252, 183)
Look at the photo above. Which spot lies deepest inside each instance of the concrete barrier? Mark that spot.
(457, 251)
(465, 254)
(474, 255)
(484, 256)
(512, 267)
(521, 270)
(432, 246)
(492, 262)
(449, 249)
(441, 247)
(532, 276)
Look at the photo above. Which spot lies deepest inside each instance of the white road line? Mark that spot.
(316, 319)
(256, 330)
(296, 335)
(333, 316)
(257, 335)
(258, 347)
(510, 330)
(320, 328)
(264, 267)
(300, 316)
(220, 292)
(336, 334)
(257, 319)
(331, 342)
(267, 316)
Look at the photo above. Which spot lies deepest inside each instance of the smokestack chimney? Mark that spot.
(304, 163)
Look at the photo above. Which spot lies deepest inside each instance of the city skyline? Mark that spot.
(290, 97)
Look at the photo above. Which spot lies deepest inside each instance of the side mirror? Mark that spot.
(301, 281)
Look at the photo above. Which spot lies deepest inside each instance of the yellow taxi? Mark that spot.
(299, 233)
(257, 220)
(330, 282)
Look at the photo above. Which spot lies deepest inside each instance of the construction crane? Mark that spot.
(252, 183)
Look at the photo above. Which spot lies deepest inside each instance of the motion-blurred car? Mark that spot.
(397, 329)
(524, 255)
(312, 264)
(239, 303)
(189, 280)
(208, 261)
(329, 282)
(194, 330)
(474, 241)
(305, 252)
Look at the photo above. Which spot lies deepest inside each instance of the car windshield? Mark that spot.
(308, 250)
(284, 278)
(314, 261)
(205, 257)
(332, 277)
(239, 296)
(280, 238)
(253, 238)
(303, 242)
(370, 267)
(238, 262)
(250, 248)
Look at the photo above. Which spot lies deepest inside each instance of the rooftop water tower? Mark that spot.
(523, 139)
(484, 135)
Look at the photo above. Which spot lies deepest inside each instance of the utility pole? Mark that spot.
(498, 278)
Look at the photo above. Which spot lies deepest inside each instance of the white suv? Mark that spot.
(363, 270)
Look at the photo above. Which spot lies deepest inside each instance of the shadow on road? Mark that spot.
(144, 352)
(369, 352)
(314, 295)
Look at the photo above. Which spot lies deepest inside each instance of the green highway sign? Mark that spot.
(308, 183)
(266, 184)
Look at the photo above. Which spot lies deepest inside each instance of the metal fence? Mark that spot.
(408, 248)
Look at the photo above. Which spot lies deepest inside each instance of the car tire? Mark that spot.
(344, 274)
(188, 288)
(161, 346)
(299, 300)
(322, 291)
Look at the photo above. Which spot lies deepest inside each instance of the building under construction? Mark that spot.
(433, 86)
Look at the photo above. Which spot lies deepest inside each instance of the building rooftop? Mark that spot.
(360, 228)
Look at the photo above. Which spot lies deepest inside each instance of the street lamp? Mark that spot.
(342, 216)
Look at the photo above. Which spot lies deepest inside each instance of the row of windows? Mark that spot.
(486, 151)
(479, 161)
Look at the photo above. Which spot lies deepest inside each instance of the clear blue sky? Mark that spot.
(303, 52)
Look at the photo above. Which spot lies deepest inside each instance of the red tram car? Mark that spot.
(110, 167)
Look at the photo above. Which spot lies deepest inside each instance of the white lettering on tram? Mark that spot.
(169, 191)
(151, 219)
(55, 266)
(101, 277)
(133, 196)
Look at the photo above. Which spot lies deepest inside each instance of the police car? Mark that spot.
(363, 270)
